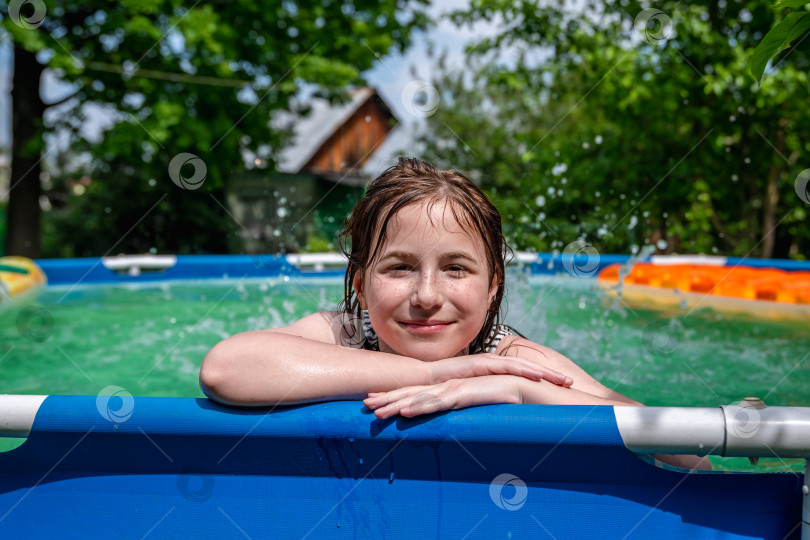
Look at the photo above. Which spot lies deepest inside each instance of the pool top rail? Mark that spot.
(331, 470)
(135, 268)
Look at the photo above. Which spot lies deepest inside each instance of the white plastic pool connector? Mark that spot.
(706, 260)
(317, 261)
(134, 264)
(17, 413)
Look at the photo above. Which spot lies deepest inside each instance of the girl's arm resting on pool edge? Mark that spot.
(459, 393)
(304, 363)
(551, 359)
(267, 368)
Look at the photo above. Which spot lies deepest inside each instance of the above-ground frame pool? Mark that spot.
(107, 463)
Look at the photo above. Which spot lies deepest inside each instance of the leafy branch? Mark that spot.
(795, 27)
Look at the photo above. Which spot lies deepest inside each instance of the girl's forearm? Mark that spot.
(549, 394)
(268, 368)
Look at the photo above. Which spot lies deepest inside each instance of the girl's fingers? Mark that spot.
(530, 370)
(383, 398)
(558, 378)
(408, 401)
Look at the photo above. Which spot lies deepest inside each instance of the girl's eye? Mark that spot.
(456, 269)
(399, 268)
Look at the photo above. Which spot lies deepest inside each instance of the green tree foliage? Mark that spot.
(788, 34)
(623, 125)
(178, 77)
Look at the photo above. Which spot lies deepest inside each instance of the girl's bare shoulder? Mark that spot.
(512, 345)
(334, 327)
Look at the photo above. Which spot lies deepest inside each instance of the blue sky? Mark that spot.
(391, 75)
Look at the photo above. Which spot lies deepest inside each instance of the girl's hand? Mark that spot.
(479, 365)
(452, 394)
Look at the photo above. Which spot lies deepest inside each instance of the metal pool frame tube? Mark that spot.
(729, 430)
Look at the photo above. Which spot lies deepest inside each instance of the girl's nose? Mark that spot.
(427, 293)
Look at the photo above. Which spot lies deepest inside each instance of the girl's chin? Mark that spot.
(425, 354)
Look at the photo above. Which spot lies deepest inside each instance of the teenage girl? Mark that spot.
(419, 330)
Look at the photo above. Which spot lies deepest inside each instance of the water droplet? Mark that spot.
(540, 200)
(558, 169)
(661, 244)
(391, 478)
(282, 212)
(598, 139)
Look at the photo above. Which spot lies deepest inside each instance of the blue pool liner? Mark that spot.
(190, 468)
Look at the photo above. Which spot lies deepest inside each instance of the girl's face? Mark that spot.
(428, 291)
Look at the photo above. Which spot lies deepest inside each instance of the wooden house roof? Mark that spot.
(341, 142)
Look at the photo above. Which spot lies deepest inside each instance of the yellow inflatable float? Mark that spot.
(19, 277)
(762, 292)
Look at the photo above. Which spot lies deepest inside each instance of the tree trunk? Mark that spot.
(772, 193)
(23, 222)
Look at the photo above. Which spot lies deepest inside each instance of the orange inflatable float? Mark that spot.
(764, 292)
(18, 277)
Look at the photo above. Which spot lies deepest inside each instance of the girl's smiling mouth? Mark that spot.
(425, 326)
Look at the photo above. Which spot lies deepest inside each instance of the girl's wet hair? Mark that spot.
(412, 181)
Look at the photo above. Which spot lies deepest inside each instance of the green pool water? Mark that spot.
(150, 339)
